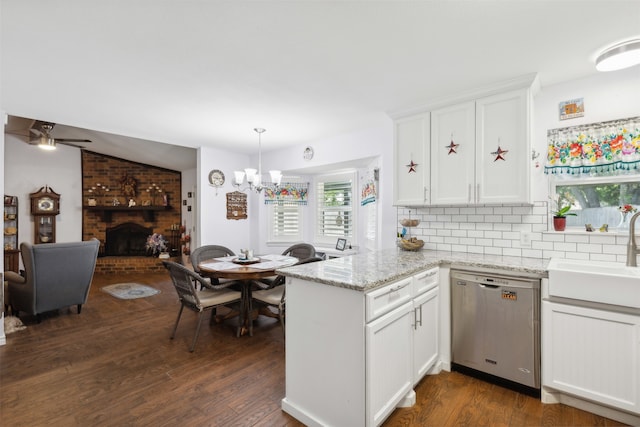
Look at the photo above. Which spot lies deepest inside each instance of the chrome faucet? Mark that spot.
(632, 248)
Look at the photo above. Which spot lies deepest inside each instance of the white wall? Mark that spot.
(27, 168)
(212, 225)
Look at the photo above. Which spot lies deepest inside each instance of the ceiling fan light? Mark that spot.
(617, 57)
(48, 144)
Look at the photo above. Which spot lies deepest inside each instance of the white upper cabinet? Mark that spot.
(477, 149)
(503, 148)
(453, 154)
(411, 160)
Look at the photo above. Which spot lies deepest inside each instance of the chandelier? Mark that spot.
(254, 177)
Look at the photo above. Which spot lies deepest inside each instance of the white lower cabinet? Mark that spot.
(389, 372)
(592, 354)
(425, 333)
(426, 322)
(352, 357)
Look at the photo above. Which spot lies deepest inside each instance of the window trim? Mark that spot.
(556, 181)
(272, 238)
(349, 175)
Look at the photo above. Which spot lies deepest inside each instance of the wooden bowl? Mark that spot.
(411, 245)
(409, 222)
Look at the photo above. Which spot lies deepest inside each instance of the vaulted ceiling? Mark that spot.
(205, 73)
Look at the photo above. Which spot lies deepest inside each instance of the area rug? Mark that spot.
(130, 290)
(13, 324)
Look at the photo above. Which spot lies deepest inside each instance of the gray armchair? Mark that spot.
(56, 275)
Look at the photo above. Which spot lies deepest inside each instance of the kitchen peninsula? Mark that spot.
(363, 330)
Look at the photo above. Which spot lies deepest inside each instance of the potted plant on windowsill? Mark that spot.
(560, 217)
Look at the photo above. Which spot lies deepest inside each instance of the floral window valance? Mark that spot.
(594, 148)
(291, 193)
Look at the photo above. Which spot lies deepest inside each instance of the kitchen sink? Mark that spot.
(597, 281)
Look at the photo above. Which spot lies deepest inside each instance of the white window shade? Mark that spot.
(335, 215)
(285, 223)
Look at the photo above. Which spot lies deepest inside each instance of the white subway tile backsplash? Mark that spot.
(512, 252)
(590, 248)
(497, 230)
(532, 253)
(493, 218)
(475, 249)
(614, 249)
(483, 210)
(503, 227)
(577, 255)
(484, 242)
(489, 250)
(576, 238)
(504, 210)
(567, 247)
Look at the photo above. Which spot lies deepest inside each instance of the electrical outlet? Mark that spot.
(525, 239)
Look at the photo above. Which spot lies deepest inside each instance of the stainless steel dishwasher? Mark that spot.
(496, 326)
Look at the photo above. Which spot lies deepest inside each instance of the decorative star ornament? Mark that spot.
(452, 147)
(499, 154)
(412, 166)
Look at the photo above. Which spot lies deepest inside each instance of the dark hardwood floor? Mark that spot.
(114, 365)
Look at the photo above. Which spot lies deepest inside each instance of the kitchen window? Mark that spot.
(285, 223)
(336, 208)
(597, 200)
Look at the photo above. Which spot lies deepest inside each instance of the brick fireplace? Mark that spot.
(123, 203)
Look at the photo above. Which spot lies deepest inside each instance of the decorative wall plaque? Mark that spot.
(236, 205)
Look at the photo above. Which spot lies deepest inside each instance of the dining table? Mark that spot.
(246, 272)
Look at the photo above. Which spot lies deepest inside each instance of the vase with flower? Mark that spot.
(625, 213)
(156, 244)
(560, 217)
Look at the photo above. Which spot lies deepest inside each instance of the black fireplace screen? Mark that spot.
(127, 239)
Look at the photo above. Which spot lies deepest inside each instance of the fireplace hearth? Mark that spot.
(127, 239)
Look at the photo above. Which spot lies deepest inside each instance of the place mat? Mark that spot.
(130, 290)
(219, 266)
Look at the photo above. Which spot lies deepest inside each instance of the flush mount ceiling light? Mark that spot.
(619, 56)
(254, 177)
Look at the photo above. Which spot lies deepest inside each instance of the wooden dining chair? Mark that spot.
(275, 295)
(209, 297)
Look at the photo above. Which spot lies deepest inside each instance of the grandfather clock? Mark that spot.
(45, 205)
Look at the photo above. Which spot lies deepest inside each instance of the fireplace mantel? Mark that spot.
(148, 212)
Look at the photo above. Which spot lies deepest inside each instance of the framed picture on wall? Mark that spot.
(341, 244)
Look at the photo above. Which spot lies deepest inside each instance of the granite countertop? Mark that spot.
(370, 270)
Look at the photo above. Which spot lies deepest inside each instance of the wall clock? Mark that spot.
(216, 178)
(308, 153)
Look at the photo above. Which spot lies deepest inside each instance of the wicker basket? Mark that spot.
(411, 245)
(409, 222)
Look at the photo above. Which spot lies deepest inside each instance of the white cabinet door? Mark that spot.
(503, 153)
(411, 161)
(592, 353)
(388, 362)
(425, 333)
(453, 148)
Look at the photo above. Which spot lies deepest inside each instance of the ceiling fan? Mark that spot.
(42, 137)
